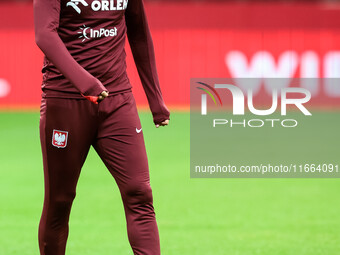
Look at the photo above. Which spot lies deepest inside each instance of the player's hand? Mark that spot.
(97, 99)
(164, 123)
(103, 95)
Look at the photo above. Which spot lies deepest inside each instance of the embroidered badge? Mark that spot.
(59, 138)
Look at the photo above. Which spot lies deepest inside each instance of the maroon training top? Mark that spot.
(83, 42)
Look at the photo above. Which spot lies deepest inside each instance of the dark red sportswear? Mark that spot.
(68, 128)
(83, 42)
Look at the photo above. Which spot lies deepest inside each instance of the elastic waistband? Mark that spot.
(69, 95)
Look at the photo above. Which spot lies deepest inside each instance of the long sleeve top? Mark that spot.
(83, 42)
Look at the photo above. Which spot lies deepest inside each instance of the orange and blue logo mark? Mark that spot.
(210, 93)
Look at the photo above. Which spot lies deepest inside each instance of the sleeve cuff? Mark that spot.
(95, 89)
(160, 117)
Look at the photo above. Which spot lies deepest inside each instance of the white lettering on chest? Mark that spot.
(109, 5)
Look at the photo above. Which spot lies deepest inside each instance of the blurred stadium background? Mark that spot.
(201, 38)
(197, 39)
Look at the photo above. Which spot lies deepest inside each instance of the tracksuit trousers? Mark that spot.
(68, 127)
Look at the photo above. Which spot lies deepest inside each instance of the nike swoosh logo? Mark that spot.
(138, 130)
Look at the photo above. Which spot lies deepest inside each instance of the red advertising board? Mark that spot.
(204, 40)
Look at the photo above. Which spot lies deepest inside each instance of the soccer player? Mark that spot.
(87, 100)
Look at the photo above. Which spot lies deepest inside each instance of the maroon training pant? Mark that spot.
(68, 127)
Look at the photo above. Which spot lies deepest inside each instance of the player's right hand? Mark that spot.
(103, 95)
(97, 99)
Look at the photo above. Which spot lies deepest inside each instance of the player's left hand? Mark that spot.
(164, 123)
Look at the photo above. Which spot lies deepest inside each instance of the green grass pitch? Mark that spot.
(195, 216)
